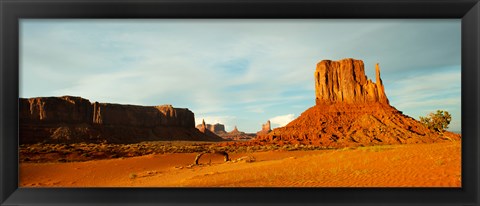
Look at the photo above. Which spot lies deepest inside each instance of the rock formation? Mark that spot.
(70, 119)
(237, 135)
(219, 130)
(266, 128)
(344, 81)
(202, 127)
(235, 130)
(209, 129)
(351, 110)
(215, 128)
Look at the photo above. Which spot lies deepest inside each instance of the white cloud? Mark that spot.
(282, 120)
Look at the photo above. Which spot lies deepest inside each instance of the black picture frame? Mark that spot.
(13, 10)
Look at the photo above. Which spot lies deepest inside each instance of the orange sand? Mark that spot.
(419, 165)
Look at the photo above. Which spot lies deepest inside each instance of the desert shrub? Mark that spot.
(438, 121)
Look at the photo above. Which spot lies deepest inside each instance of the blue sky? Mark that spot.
(238, 72)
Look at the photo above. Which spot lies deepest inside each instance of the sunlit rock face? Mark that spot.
(344, 81)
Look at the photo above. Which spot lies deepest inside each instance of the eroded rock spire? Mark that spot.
(344, 81)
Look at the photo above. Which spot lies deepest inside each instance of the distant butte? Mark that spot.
(215, 128)
(351, 110)
(69, 119)
(219, 129)
(266, 128)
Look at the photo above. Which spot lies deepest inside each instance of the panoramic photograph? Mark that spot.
(240, 103)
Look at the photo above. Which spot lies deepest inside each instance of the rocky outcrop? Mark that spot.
(237, 135)
(215, 128)
(235, 131)
(70, 119)
(339, 125)
(209, 129)
(266, 128)
(344, 81)
(219, 130)
(351, 110)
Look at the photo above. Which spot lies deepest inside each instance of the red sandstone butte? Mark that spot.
(351, 110)
(210, 130)
(344, 81)
(266, 128)
(70, 119)
(215, 128)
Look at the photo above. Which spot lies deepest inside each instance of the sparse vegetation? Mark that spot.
(437, 121)
(90, 151)
(84, 152)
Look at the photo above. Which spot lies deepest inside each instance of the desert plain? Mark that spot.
(412, 165)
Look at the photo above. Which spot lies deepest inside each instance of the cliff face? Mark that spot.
(74, 119)
(67, 110)
(344, 81)
(131, 115)
(351, 110)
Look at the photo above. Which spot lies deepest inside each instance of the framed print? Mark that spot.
(240, 102)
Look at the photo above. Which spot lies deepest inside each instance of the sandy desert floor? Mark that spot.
(416, 165)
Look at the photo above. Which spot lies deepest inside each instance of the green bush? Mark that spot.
(438, 121)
